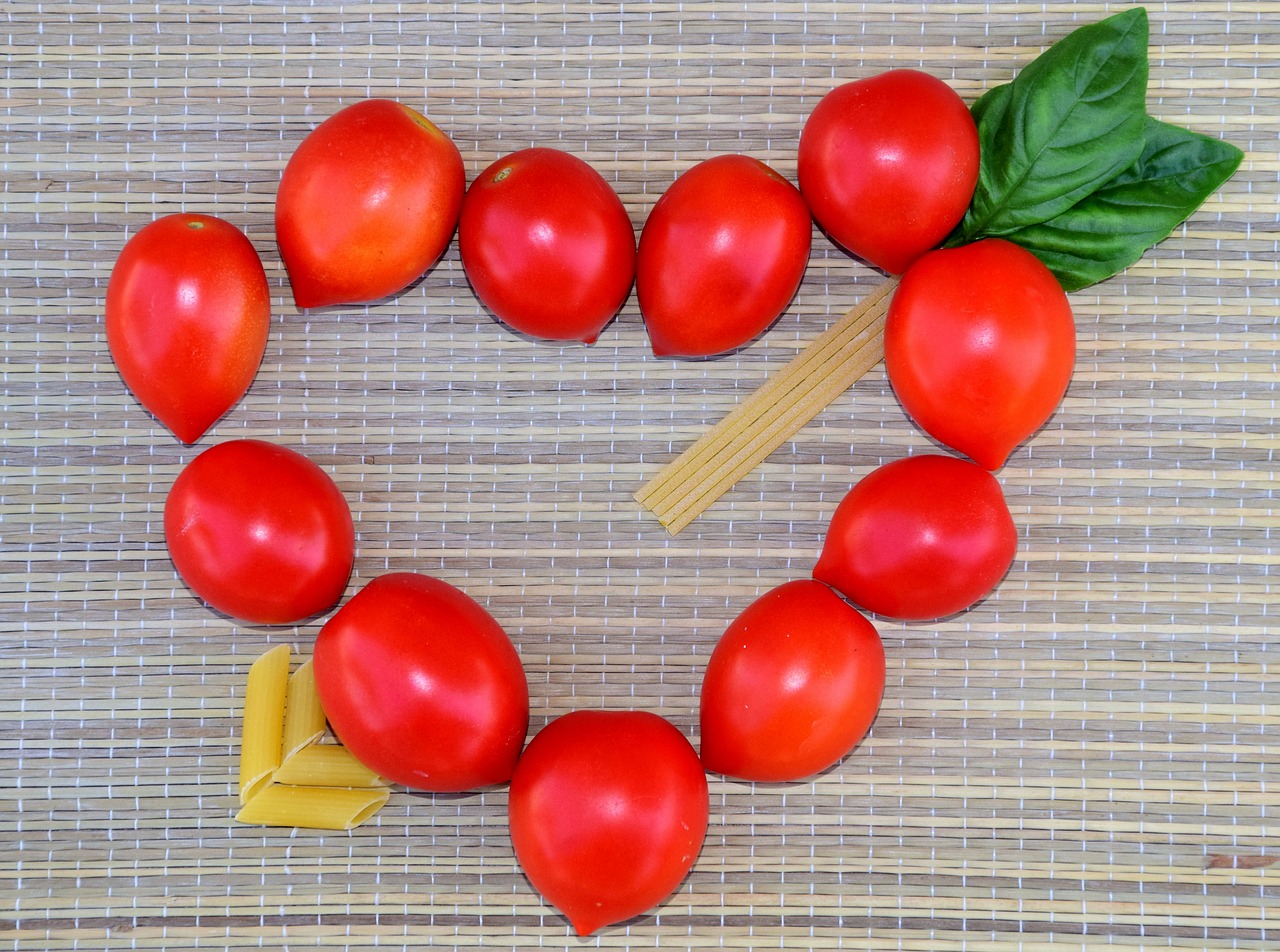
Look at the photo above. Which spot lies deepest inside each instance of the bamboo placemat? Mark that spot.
(1083, 760)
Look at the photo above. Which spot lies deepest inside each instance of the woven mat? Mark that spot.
(1083, 760)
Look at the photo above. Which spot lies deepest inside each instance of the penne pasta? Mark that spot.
(303, 716)
(263, 732)
(322, 808)
(326, 765)
(287, 778)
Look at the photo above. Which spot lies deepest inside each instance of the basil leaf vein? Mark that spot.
(1069, 122)
(1111, 229)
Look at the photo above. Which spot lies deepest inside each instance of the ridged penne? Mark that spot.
(322, 808)
(304, 719)
(286, 777)
(263, 732)
(326, 765)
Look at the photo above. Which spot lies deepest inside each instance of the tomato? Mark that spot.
(979, 346)
(367, 202)
(260, 532)
(919, 538)
(888, 164)
(547, 245)
(187, 315)
(792, 685)
(422, 685)
(608, 810)
(721, 255)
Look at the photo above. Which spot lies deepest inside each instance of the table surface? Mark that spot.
(1081, 760)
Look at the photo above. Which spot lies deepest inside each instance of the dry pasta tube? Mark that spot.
(263, 732)
(303, 716)
(326, 765)
(287, 778)
(320, 808)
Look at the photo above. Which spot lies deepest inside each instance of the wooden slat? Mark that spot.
(1084, 760)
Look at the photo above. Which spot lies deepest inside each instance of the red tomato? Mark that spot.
(422, 685)
(260, 532)
(547, 245)
(608, 810)
(919, 538)
(367, 203)
(721, 255)
(979, 346)
(187, 315)
(888, 164)
(792, 686)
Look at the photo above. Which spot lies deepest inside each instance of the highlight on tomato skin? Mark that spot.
(888, 164)
(920, 538)
(721, 255)
(422, 685)
(980, 347)
(792, 686)
(608, 811)
(547, 245)
(187, 316)
(368, 201)
(260, 532)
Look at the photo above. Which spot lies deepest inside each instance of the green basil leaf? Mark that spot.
(1070, 121)
(995, 100)
(1110, 230)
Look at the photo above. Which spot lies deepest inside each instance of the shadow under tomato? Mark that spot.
(374, 303)
(745, 345)
(544, 341)
(267, 627)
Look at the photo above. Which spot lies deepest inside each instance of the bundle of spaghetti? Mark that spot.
(689, 484)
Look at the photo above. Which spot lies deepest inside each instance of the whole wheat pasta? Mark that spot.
(793, 396)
